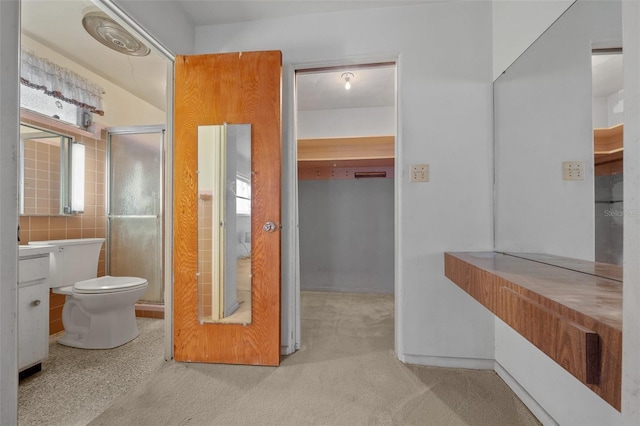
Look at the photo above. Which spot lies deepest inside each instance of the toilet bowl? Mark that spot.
(99, 313)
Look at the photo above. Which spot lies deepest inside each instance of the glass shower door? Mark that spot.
(134, 206)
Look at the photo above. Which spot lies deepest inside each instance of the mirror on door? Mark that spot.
(224, 223)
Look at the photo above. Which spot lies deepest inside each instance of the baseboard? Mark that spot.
(27, 372)
(151, 307)
(149, 310)
(348, 290)
(448, 362)
(526, 398)
(287, 350)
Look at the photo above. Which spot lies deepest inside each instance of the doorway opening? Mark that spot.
(134, 94)
(346, 129)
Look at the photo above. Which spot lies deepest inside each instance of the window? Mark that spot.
(243, 197)
(57, 92)
(37, 101)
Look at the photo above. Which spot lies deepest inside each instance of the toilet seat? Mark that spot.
(108, 284)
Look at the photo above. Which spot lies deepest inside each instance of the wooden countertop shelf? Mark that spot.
(569, 309)
(608, 150)
(608, 140)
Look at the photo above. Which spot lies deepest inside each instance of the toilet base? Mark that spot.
(77, 342)
(104, 330)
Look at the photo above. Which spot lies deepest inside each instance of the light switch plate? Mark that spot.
(419, 173)
(573, 170)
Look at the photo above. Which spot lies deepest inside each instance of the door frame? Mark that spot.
(111, 9)
(10, 33)
(9, 137)
(290, 304)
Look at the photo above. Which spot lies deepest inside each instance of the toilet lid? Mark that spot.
(108, 284)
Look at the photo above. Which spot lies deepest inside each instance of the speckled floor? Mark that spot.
(76, 385)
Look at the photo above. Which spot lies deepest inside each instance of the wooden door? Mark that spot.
(233, 88)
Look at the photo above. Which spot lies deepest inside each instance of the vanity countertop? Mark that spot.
(569, 309)
(27, 251)
(604, 270)
(572, 283)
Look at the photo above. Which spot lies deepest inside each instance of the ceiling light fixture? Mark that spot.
(347, 76)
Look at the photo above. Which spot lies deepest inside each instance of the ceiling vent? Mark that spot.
(113, 35)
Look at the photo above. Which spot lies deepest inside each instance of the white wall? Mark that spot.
(347, 122)
(517, 24)
(543, 116)
(445, 75)
(615, 108)
(121, 107)
(608, 111)
(346, 235)
(600, 112)
(9, 118)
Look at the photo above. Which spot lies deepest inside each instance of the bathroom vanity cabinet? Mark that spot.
(33, 308)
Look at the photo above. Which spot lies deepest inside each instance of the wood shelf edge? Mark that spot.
(597, 361)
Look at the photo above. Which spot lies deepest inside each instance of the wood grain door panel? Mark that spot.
(233, 88)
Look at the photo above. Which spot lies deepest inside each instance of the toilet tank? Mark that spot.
(73, 260)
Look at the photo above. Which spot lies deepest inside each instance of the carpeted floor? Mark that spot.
(344, 374)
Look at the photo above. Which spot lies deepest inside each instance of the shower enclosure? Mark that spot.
(134, 206)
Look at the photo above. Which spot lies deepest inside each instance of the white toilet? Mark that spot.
(99, 313)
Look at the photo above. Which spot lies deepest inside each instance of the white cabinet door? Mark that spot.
(33, 324)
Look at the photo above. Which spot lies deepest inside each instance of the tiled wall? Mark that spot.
(41, 177)
(90, 224)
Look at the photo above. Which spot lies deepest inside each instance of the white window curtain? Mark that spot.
(61, 83)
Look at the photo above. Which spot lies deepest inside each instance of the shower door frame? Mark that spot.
(160, 216)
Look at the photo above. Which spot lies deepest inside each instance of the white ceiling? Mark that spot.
(370, 87)
(607, 77)
(225, 12)
(58, 25)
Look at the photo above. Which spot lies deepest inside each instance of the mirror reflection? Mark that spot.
(43, 172)
(608, 111)
(224, 223)
(550, 107)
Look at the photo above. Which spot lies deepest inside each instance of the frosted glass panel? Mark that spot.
(136, 174)
(135, 251)
(135, 221)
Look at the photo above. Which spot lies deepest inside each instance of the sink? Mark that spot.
(26, 252)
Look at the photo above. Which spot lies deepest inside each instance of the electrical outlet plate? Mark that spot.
(573, 170)
(419, 173)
